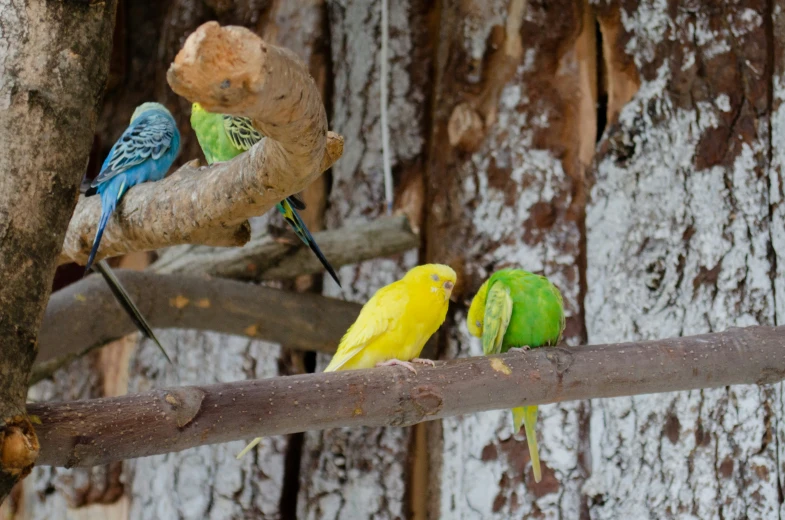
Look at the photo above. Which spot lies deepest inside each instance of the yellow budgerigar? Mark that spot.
(394, 325)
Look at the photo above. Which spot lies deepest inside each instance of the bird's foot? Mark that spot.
(422, 361)
(522, 348)
(397, 362)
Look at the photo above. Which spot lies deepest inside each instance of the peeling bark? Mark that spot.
(681, 206)
(511, 195)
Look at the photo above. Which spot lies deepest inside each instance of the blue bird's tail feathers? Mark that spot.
(128, 305)
(97, 241)
(287, 209)
(111, 192)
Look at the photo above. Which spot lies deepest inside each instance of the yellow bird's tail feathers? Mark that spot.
(528, 416)
(249, 447)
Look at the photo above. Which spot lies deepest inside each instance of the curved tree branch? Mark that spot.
(99, 431)
(230, 70)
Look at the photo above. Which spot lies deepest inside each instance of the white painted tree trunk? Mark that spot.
(515, 201)
(679, 243)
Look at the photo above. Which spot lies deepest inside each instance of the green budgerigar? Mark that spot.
(223, 137)
(518, 309)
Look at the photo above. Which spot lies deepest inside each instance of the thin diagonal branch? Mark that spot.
(99, 431)
(266, 258)
(230, 70)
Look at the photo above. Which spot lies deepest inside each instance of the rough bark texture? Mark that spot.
(54, 60)
(362, 473)
(513, 133)
(681, 207)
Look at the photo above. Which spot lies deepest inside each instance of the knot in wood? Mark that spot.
(465, 129)
(427, 400)
(19, 447)
(561, 358)
(183, 404)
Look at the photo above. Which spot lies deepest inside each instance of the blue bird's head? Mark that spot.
(149, 106)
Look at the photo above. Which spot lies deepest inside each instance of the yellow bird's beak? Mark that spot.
(448, 286)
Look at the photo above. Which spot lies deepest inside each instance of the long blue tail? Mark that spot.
(98, 234)
(110, 193)
(286, 208)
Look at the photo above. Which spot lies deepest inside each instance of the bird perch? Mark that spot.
(299, 321)
(303, 321)
(229, 70)
(99, 431)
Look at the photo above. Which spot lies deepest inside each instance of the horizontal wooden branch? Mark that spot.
(85, 315)
(99, 431)
(267, 258)
(230, 70)
(299, 321)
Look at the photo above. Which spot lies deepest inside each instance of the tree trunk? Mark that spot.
(53, 65)
(624, 149)
(682, 206)
(361, 473)
(514, 131)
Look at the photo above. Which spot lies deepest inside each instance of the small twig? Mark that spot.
(229, 70)
(99, 431)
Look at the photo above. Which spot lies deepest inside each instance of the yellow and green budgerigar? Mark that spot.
(223, 137)
(518, 309)
(394, 325)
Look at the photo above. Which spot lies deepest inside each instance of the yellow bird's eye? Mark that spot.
(435, 277)
(478, 323)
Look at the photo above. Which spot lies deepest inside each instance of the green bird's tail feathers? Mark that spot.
(287, 209)
(128, 305)
(528, 416)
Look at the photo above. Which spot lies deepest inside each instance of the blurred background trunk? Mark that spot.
(622, 148)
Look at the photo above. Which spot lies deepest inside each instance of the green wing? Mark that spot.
(241, 132)
(498, 310)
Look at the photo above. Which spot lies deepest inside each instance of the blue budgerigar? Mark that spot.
(144, 152)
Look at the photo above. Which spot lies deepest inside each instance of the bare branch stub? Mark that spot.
(99, 431)
(230, 70)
